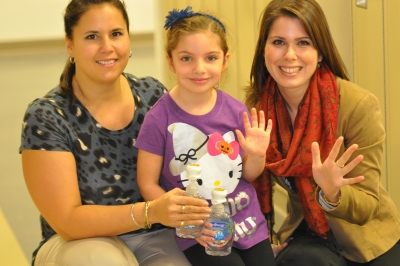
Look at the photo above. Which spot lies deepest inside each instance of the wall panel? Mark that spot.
(368, 54)
(392, 95)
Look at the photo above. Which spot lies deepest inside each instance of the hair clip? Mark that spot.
(175, 16)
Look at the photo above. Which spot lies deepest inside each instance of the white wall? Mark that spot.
(37, 20)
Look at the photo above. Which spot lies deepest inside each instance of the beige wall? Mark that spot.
(392, 95)
(376, 68)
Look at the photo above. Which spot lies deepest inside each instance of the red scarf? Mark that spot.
(289, 153)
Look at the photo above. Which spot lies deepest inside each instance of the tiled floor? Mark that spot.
(11, 253)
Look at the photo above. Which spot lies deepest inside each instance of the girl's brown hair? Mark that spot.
(197, 23)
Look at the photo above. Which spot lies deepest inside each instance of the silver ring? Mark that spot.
(341, 166)
(182, 209)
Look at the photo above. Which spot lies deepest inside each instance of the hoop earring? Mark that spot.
(216, 86)
(130, 54)
(72, 60)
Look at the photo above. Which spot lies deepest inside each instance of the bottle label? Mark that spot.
(189, 227)
(220, 229)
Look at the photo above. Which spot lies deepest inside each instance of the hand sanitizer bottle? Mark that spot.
(222, 224)
(193, 172)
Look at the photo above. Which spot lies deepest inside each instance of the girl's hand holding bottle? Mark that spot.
(207, 236)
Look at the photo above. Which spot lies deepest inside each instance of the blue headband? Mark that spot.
(175, 16)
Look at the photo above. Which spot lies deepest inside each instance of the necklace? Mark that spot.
(90, 111)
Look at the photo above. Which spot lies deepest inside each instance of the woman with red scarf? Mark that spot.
(326, 145)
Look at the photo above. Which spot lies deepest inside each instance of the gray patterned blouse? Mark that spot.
(106, 160)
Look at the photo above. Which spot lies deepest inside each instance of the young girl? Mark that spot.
(196, 123)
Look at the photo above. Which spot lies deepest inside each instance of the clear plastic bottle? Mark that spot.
(222, 224)
(193, 172)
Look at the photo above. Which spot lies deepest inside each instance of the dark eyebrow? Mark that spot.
(297, 39)
(96, 31)
(118, 29)
(90, 32)
(210, 53)
(302, 38)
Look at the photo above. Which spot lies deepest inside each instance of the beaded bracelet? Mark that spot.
(146, 217)
(333, 204)
(133, 218)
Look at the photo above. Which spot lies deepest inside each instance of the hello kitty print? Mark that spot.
(217, 154)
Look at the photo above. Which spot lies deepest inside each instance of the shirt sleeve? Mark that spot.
(322, 202)
(42, 128)
(151, 137)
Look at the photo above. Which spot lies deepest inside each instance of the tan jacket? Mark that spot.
(366, 223)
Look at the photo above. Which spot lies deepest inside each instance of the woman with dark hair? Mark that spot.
(326, 145)
(79, 156)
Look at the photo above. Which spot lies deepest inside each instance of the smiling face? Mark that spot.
(198, 62)
(290, 55)
(100, 44)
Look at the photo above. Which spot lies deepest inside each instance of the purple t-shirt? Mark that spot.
(208, 140)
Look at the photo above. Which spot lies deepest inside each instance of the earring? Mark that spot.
(72, 60)
(319, 64)
(216, 86)
(130, 54)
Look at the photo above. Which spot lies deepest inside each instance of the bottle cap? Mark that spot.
(218, 195)
(193, 172)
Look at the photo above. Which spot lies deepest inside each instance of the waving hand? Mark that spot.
(329, 175)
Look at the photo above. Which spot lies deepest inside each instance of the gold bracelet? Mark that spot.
(146, 217)
(133, 218)
(333, 204)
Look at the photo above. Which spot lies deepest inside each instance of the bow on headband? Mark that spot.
(175, 16)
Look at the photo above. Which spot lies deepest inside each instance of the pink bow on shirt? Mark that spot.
(217, 145)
